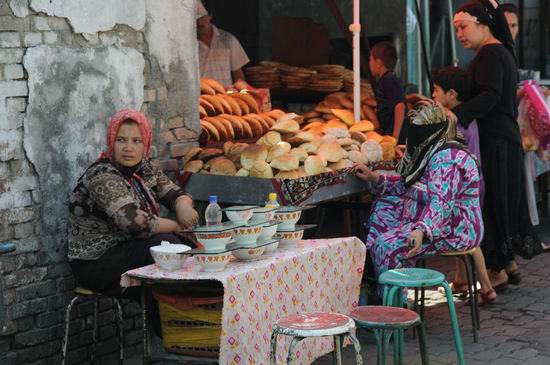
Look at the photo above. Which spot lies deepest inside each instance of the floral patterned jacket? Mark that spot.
(104, 211)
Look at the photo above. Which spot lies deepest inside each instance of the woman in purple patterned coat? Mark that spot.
(432, 205)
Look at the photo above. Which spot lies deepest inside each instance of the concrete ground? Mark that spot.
(514, 330)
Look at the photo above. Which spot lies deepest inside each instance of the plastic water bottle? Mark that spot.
(272, 201)
(213, 213)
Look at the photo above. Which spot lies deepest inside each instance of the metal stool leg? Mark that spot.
(94, 333)
(273, 355)
(471, 294)
(67, 323)
(454, 322)
(422, 344)
(120, 328)
(357, 347)
(474, 282)
(292, 350)
(337, 350)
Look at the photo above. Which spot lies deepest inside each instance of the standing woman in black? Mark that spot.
(481, 26)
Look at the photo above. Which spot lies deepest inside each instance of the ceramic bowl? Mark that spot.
(271, 247)
(247, 235)
(249, 254)
(214, 240)
(270, 228)
(290, 238)
(169, 257)
(240, 214)
(287, 218)
(263, 214)
(213, 262)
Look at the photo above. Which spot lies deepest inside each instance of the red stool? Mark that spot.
(384, 320)
(301, 326)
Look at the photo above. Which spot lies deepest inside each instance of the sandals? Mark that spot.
(514, 277)
(456, 288)
(485, 297)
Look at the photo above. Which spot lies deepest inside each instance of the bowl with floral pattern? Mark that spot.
(169, 256)
(263, 214)
(214, 237)
(287, 217)
(249, 253)
(213, 262)
(289, 238)
(247, 235)
(240, 214)
(270, 228)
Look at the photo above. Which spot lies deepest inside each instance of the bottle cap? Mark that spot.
(272, 196)
(213, 198)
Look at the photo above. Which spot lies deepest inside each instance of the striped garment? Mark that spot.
(224, 55)
(444, 204)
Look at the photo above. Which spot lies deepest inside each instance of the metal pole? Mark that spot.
(355, 28)
(454, 59)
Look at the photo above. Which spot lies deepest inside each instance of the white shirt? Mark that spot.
(224, 55)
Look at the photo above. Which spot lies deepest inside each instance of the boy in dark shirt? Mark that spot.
(390, 98)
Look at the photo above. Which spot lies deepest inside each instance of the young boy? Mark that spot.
(390, 98)
(452, 87)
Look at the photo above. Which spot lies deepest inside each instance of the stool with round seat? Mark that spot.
(395, 280)
(384, 320)
(83, 294)
(467, 257)
(319, 324)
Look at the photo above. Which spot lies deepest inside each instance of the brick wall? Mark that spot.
(37, 283)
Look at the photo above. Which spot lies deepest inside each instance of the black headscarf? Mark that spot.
(428, 132)
(489, 13)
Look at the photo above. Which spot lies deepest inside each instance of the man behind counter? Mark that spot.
(221, 56)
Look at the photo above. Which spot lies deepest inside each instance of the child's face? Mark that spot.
(374, 65)
(447, 99)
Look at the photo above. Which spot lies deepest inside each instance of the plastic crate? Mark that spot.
(191, 326)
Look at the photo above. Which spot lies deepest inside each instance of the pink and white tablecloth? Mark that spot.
(316, 275)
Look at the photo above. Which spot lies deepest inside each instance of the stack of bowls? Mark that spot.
(266, 217)
(214, 241)
(287, 232)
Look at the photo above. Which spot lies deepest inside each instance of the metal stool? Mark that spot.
(467, 258)
(301, 326)
(385, 320)
(395, 280)
(82, 293)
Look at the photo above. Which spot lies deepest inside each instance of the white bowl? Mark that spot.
(287, 218)
(247, 235)
(263, 214)
(271, 247)
(290, 238)
(214, 240)
(240, 214)
(249, 254)
(268, 232)
(213, 262)
(169, 257)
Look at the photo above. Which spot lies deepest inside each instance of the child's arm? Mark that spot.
(398, 118)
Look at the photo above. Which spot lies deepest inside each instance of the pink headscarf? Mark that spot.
(114, 125)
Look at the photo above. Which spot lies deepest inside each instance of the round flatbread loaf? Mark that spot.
(286, 162)
(332, 152)
(223, 166)
(261, 169)
(287, 174)
(253, 153)
(193, 166)
(280, 149)
(300, 153)
(314, 165)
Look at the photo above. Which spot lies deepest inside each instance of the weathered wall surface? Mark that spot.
(65, 68)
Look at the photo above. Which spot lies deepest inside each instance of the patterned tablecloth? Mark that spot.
(317, 275)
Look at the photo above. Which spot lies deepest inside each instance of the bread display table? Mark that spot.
(316, 275)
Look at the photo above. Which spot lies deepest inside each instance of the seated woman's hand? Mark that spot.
(364, 173)
(187, 216)
(415, 242)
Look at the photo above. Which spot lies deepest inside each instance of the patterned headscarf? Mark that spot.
(489, 13)
(114, 125)
(427, 133)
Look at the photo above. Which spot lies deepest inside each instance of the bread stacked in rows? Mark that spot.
(339, 101)
(287, 152)
(228, 116)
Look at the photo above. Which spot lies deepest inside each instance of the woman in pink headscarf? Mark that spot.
(114, 211)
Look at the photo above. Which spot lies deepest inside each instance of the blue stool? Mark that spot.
(395, 280)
